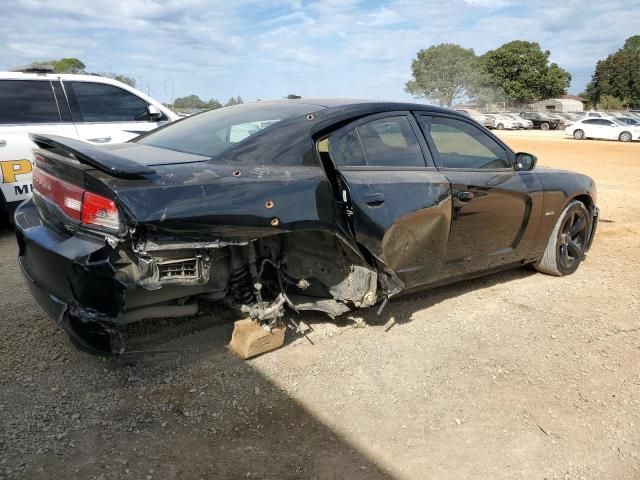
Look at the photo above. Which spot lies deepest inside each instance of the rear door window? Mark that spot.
(27, 101)
(101, 103)
(385, 142)
(346, 150)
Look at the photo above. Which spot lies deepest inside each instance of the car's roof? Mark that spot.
(53, 76)
(360, 104)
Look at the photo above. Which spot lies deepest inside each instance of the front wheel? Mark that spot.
(500, 126)
(568, 241)
(544, 126)
(625, 137)
(578, 134)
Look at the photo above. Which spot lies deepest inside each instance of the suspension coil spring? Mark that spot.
(241, 286)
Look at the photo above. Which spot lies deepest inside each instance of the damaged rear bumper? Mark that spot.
(71, 280)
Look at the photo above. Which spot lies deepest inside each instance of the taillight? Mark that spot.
(76, 203)
(66, 196)
(100, 211)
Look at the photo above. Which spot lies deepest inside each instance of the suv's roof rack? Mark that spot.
(34, 69)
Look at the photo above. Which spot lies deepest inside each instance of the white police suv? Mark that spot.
(95, 109)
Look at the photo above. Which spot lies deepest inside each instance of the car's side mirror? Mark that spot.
(154, 113)
(525, 161)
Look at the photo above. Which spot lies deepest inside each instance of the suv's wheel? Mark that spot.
(544, 126)
(578, 134)
(500, 126)
(567, 243)
(625, 137)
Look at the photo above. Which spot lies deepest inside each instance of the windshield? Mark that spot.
(213, 132)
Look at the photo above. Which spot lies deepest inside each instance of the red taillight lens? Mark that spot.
(65, 195)
(100, 211)
(76, 203)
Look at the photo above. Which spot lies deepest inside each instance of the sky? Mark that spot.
(270, 48)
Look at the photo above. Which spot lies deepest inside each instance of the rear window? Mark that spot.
(211, 133)
(27, 101)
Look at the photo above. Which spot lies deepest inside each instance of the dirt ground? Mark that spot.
(517, 375)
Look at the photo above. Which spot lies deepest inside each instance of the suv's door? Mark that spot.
(398, 205)
(493, 204)
(106, 113)
(27, 106)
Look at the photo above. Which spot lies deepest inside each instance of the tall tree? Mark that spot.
(609, 102)
(188, 102)
(125, 79)
(521, 70)
(618, 76)
(234, 101)
(68, 65)
(63, 65)
(442, 73)
(213, 104)
(119, 77)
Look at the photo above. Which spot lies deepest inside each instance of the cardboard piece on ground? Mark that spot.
(250, 339)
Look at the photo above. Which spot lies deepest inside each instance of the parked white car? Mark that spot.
(526, 124)
(481, 118)
(86, 107)
(502, 122)
(594, 114)
(603, 128)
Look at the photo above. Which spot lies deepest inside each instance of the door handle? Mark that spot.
(3, 143)
(465, 196)
(100, 140)
(374, 199)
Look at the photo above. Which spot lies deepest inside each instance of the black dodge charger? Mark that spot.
(308, 204)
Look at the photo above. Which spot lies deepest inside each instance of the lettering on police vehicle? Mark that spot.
(11, 168)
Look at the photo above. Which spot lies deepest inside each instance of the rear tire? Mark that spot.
(568, 241)
(578, 134)
(544, 126)
(625, 137)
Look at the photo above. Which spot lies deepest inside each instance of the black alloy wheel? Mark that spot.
(572, 240)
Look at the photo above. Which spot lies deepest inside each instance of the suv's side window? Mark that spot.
(27, 101)
(385, 142)
(462, 145)
(98, 102)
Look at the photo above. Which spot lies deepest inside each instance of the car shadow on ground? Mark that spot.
(201, 413)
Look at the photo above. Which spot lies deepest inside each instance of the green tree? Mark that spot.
(442, 73)
(609, 102)
(189, 102)
(213, 104)
(618, 75)
(125, 79)
(68, 65)
(119, 77)
(234, 101)
(64, 65)
(521, 70)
